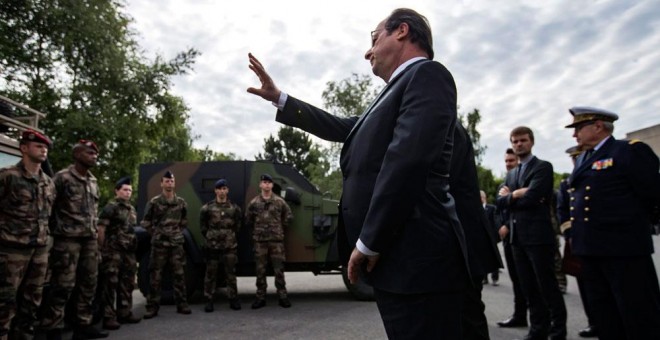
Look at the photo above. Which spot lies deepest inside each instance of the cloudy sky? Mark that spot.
(518, 62)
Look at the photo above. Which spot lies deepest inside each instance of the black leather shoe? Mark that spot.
(513, 322)
(589, 332)
(183, 309)
(285, 303)
(258, 304)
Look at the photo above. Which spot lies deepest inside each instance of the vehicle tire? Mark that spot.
(360, 290)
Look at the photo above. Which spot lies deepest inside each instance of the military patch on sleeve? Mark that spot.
(602, 164)
(633, 141)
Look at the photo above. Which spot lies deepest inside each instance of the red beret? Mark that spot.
(89, 144)
(30, 135)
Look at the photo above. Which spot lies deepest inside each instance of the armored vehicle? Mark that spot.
(14, 119)
(310, 239)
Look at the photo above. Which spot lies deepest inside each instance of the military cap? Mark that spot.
(123, 181)
(168, 174)
(220, 183)
(573, 151)
(88, 144)
(583, 114)
(30, 135)
(266, 177)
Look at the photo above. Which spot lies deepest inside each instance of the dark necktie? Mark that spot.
(519, 174)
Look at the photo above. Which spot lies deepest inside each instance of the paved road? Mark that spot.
(322, 309)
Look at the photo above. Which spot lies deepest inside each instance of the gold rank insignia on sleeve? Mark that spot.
(633, 141)
(602, 164)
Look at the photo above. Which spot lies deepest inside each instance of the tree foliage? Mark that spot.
(347, 98)
(292, 147)
(79, 62)
(470, 121)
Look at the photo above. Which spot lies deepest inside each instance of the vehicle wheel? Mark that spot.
(360, 290)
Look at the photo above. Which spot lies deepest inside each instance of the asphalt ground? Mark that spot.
(322, 309)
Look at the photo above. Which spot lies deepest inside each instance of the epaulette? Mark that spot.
(633, 141)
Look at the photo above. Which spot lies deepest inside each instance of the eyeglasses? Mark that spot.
(374, 36)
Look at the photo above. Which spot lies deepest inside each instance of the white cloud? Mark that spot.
(520, 63)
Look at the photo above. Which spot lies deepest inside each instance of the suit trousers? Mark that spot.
(420, 316)
(519, 301)
(624, 296)
(536, 269)
(473, 318)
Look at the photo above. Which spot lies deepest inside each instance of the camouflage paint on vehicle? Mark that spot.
(310, 237)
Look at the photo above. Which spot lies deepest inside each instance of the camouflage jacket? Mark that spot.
(25, 206)
(76, 204)
(118, 217)
(165, 220)
(219, 223)
(268, 217)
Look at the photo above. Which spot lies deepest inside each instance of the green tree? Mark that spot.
(291, 147)
(347, 98)
(470, 121)
(79, 62)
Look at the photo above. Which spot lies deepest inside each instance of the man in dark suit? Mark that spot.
(527, 194)
(613, 189)
(396, 208)
(483, 255)
(519, 317)
(493, 221)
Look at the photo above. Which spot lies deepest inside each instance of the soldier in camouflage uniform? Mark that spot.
(74, 257)
(165, 218)
(220, 220)
(26, 198)
(118, 243)
(268, 215)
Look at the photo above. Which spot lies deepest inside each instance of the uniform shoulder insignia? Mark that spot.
(633, 141)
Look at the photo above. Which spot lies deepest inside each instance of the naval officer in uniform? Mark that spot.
(613, 189)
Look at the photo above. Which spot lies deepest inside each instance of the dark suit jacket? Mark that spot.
(529, 216)
(483, 255)
(395, 163)
(612, 194)
(493, 219)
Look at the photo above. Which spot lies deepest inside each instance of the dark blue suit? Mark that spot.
(395, 161)
(612, 194)
(534, 247)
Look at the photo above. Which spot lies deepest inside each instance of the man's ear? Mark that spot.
(402, 31)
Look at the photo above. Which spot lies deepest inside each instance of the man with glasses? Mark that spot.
(613, 189)
(398, 217)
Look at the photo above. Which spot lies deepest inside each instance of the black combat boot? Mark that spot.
(258, 303)
(284, 302)
(88, 332)
(235, 304)
(209, 306)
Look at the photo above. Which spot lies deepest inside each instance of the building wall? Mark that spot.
(649, 135)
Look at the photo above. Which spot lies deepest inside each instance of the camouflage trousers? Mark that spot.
(22, 274)
(229, 259)
(74, 263)
(118, 271)
(262, 252)
(160, 256)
